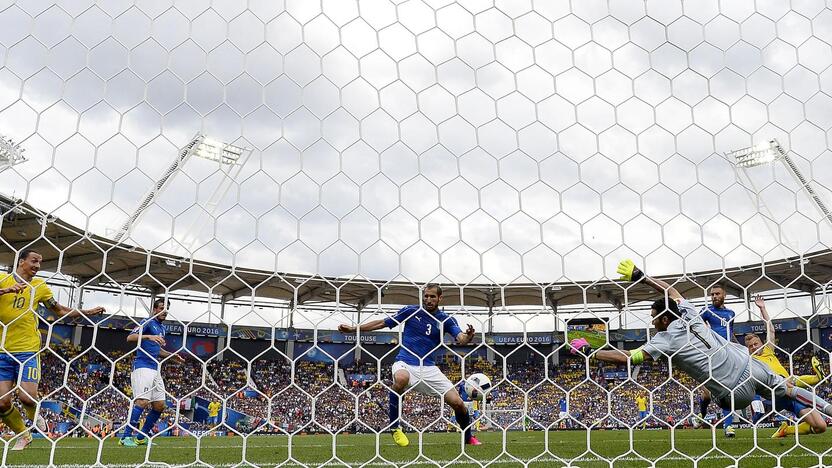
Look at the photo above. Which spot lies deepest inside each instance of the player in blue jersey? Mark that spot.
(415, 368)
(721, 321)
(146, 379)
(563, 414)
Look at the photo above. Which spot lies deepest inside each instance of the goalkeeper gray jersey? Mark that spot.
(695, 349)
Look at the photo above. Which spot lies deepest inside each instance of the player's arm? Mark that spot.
(137, 334)
(164, 353)
(63, 311)
(13, 289)
(622, 356)
(465, 337)
(364, 327)
(761, 304)
(629, 272)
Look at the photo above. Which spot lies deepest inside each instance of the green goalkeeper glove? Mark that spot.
(629, 272)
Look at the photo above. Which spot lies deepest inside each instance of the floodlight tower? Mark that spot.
(227, 155)
(11, 153)
(764, 153)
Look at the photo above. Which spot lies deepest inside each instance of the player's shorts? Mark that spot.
(792, 406)
(214, 420)
(147, 384)
(563, 415)
(758, 407)
(642, 414)
(25, 366)
(428, 380)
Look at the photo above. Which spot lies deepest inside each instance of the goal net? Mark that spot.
(239, 184)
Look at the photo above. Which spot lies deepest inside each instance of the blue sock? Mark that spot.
(464, 421)
(394, 410)
(135, 415)
(149, 422)
(729, 417)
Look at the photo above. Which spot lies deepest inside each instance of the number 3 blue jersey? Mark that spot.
(148, 353)
(422, 333)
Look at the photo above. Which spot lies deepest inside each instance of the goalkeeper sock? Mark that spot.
(729, 417)
(14, 420)
(464, 421)
(30, 411)
(149, 422)
(809, 399)
(135, 415)
(393, 410)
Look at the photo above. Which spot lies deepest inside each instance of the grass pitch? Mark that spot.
(514, 449)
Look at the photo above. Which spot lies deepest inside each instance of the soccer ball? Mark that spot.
(477, 386)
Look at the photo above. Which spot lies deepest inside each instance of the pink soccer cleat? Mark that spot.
(473, 441)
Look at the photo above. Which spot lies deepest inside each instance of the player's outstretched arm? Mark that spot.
(630, 272)
(64, 311)
(614, 356)
(761, 304)
(364, 327)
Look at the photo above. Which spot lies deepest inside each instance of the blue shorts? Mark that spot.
(23, 365)
(213, 420)
(642, 414)
(790, 405)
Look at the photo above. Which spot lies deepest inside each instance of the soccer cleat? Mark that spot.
(127, 442)
(400, 438)
(817, 366)
(142, 441)
(781, 431)
(473, 441)
(40, 424)
(697, 422)
(730, 432)
(22, 442)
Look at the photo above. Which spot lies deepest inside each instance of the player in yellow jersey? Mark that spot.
(811, 421)
(214, 414)
(641, 401)
(20, 294)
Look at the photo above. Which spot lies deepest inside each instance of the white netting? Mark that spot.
(275, 169)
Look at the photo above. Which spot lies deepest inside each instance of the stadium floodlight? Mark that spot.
(765, 153)
(11, 153)
(201, 146)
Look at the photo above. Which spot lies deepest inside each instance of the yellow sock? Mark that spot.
(802, 428)
(14, 420)
(30, 412)
(806, 381)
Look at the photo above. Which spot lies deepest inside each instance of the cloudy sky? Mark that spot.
(475, 141)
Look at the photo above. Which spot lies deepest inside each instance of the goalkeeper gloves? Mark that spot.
(629, 272)
(580, 344)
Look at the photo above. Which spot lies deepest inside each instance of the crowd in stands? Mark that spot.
(320, 397)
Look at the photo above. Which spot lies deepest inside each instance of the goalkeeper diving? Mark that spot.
(725, 368)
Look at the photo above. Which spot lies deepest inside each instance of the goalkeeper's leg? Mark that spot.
(809, 399)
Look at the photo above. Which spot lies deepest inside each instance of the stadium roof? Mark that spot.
(74, 252)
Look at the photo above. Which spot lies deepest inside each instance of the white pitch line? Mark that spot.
(506, 461)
